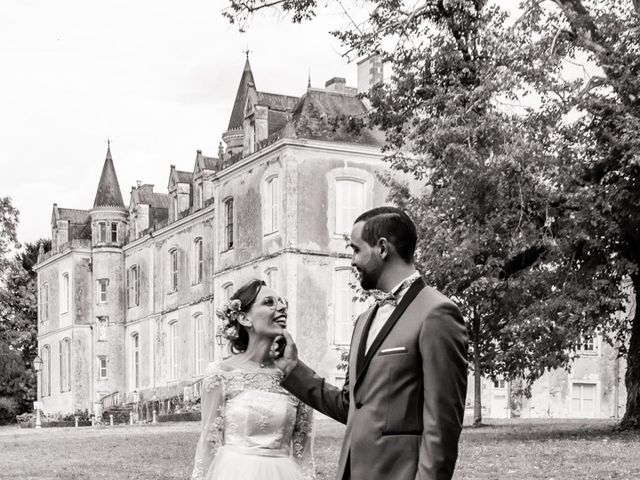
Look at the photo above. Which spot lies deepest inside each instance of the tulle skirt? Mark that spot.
(233, 463)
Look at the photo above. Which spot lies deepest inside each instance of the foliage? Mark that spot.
(601, 149)
(18, 326)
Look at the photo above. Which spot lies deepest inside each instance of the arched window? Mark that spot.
(198, 264)
(173, 270)
(65, 365)
(135, 361)
(64, 293)
(45, 379)
(199, 338)
(133, 286)
(172, 357)
(350, 201)
(228, 224)
(272, 278)
(270, 205)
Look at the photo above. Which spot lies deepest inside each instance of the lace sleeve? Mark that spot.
(303, 441)
(212, 435)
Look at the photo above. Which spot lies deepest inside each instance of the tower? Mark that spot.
(109, 219)
(234, 136)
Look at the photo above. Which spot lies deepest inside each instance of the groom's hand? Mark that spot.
(284, 352)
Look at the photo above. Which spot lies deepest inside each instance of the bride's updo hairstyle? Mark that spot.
(247, 295)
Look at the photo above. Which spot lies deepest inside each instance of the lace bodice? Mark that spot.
(252, 413)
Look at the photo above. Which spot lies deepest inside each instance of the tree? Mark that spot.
(18, 316)
(602, 148)
(498, 233)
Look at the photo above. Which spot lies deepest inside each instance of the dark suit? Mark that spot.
(403, 402)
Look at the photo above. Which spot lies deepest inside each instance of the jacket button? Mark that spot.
(358, 405)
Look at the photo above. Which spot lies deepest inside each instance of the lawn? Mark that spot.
(519, 449)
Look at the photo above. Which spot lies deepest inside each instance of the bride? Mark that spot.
(251, 427)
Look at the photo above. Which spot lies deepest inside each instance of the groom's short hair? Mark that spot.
(394, 225)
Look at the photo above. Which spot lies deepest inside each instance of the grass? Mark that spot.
(517, 449)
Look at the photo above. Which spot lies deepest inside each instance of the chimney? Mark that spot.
(138, 183)
(336, 84)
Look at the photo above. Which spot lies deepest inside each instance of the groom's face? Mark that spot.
(365, 258)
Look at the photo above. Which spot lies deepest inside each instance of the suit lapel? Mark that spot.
(364, 333)
(408, 297)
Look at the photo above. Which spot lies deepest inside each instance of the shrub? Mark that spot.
(8, 410)
(180, 417)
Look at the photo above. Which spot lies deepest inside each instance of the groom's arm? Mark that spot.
(443, 347)
(313, 390)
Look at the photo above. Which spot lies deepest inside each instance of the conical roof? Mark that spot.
(237, 114)
(108, 194)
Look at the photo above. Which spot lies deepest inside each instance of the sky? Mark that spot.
(158, 78)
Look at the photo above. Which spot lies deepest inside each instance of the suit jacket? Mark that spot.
(403, 402)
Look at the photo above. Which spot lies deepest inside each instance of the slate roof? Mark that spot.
(237, 114)
(184, 177)
(108, 194)
(74, 215)
(153, 199)
(283, 103)
(333, 116)
(210, 163)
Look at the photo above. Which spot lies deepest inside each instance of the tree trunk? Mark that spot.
(631, 419)
(477, 385)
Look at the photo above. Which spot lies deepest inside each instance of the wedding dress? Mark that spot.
(252, 428)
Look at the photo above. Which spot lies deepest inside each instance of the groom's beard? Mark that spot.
(369, 278)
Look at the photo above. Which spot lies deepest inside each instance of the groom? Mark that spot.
(404, 395)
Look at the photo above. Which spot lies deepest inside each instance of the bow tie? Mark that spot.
(389, 298)
(386, 299)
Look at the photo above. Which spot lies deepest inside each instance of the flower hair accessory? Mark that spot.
(229, 316)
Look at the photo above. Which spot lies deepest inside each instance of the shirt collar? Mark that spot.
(402, 286)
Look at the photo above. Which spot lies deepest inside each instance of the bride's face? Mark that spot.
(268, 315)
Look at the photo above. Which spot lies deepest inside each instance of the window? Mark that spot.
(135, 361)
(199, 197)
(199, 343)
(228, 224)
(172, 357)
(65, 365)
(133, 286)
(102, 232)
(45, 387)
(102, 367)
(114, 232)
(583, 398)
(44, 302)
(175, 207)
(173, 270)
(349, 203)
(227, 291)
(102, 290)
(198, 264)
(346, 309)
(589, 345)
(272, 279)
(499, 384)
(102, 323)
(64, 293)
(270, 209)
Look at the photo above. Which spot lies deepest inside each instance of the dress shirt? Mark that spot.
(385, 311)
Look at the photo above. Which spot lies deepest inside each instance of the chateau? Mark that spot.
(128, 293)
